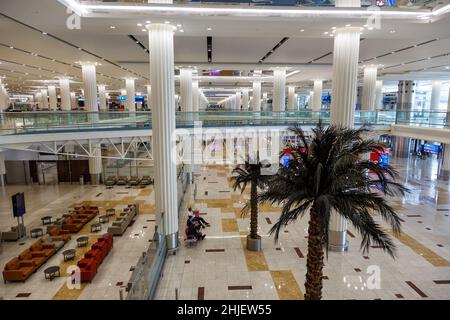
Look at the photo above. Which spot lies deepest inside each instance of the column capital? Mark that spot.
(161, 27)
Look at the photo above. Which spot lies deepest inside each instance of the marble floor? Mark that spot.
(116, 269)
(221, 268)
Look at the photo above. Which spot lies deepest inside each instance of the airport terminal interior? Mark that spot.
(126, 125)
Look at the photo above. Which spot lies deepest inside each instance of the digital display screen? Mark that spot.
(431, 148)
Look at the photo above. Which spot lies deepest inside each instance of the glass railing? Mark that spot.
(46, 122)
(414, 4)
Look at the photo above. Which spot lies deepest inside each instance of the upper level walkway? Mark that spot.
(30, 127)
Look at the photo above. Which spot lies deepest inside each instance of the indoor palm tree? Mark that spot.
(251, 172)
(328, 173)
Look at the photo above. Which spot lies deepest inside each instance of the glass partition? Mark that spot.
(45, 122)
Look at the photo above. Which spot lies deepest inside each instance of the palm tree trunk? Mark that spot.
(253, 211)
(314, 259)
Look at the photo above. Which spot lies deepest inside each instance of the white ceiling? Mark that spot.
(235, 41)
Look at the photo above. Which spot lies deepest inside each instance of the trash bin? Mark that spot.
(81, 180)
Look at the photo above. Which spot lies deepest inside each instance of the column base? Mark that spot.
(445, 175)
(337, 241)
(96, 178)
(172, 242)
(2, 180)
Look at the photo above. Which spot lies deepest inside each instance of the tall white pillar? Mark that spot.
(102, 97)
(345, 75)
(238, 101)
(435, 95)
(311, 99)
(90, 86)
(163, 128)
(130, 103)
(344, 83)
(317, 96)
(195, 96)
(256, 95)
(245, 99)
(379, 95)
(2, 170)
(369, 88)
(38, 100)
(186, 90)
(44, 99)
(279, 90)
(52, 98)
(73, 100)
(95, 164)
(291, 99)
(64, 85)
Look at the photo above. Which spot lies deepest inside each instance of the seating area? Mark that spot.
(57, 237)
(29, 261)
(124, 220)
(134, 181)
(14, 234)
(78, 218)
(146, 180)
(122, 181)
(110, 181)
(93, 258)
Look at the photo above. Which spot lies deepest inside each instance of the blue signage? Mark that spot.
(137, 98)
(431, 148)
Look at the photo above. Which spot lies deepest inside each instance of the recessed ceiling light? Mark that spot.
(112, 27)
(144, 30)
(148, 21)
(44, 33)
(302, 30)
(392, 31)
(348, 25)
(445, 67)
(166, 21)
(139, 24)
(11, 47)
(370, 28)
(365, 26)
(181, 30)
(79, 49)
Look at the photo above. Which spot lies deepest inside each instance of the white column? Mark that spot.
(38, 99)
(344, 82)
(130, 103)
(52, 97)
(245, 99)
(256, 95)
(317, 96)
(163, 127)
(311, 99)
(2, 170)
(291, 99)
(73, 100)
(435, 95)
(195, 96)
(44, 99)
(279, 90)
(186, 90)
(238, 101)
(345, 74)
(64, 85)
(369, 88)
(95, 164)
(379, 95)
(90, 87)
(149, 95)
(102, 97)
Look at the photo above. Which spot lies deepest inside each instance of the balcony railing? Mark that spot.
(59, 121)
